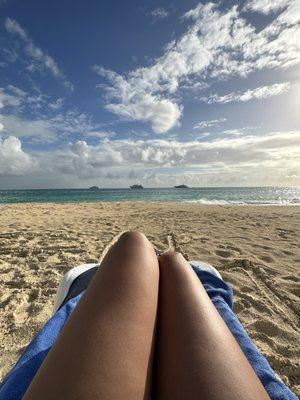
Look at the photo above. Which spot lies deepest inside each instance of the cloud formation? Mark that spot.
(48, 128)
(266, 6)
(209, 124)
(47, 121)
(166, 153)
(134, 103)
(8, 99)
(166, 161)
(40, 61)
(216, 45)
(262, 92)
(13, 160)
(159, 13)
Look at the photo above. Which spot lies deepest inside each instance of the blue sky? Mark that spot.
(158, 92)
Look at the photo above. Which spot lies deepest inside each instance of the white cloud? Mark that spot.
(16, 91)
(266, 6)
(69, 85)
(162, 114)
(225, 160)
(138, 105)
(32, 50)
(163, 153)
(13, 27)
(216, 45)
(262, 92)
(14, 125)
(100, 134)
(47, 128)
(209, 124)
(155, 152)
(40, 61)
(189, 84)
(203, 135)
(8, 99)
(57, 104)
(13, 160)
(240, 131)
(159, 13)
(16, 97)
(39, 124)
(37, 101)
(273, 157)
(70, 122)
(9, 55)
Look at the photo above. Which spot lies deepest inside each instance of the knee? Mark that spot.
(172, 264)
(133, 238)
(135, 246)
(171, 258)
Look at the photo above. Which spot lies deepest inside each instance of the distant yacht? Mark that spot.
(136, 187)
(181, 187)
(94, 188)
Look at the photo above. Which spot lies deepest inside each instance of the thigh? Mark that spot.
(196, 356)
(105, 349)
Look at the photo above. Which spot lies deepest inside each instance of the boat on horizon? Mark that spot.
(136, 186)
(181, 187)
(94, 188)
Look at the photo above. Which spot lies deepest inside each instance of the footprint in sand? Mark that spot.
(271, 329)
(223, 253)
(265, 258)
(20, 313)
(262, 247)
(249, 299)
(234, 248)
(288, 253)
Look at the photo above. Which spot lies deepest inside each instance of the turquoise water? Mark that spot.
(280, 196)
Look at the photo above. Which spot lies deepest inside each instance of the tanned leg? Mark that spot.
(105, 349)
(196, 356)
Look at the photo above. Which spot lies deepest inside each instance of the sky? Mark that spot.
(155, 92)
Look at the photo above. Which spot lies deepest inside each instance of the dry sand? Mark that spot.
(255, 248)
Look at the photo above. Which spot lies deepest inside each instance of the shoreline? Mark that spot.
(187, 202)
(214, 196)
(256, 249)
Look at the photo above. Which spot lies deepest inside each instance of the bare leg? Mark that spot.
(196, 356)
(105, 349)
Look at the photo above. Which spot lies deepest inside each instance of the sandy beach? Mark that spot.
(255, 248)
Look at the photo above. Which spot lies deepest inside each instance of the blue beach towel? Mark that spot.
(17, 381)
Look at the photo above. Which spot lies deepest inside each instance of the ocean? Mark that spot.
(222, 196)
